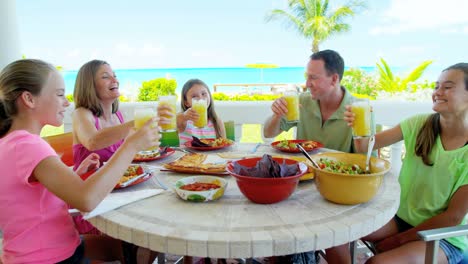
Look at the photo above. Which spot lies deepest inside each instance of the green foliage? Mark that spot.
(123, 98)
(421, 86)
(245, 97)
(313, 18)
(151, 90)
(70, 97)
(390, 83)
(359, 82)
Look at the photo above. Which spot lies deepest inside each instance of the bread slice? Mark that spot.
(193, 163)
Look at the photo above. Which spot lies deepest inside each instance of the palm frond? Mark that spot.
(414, 74)
(313, 19)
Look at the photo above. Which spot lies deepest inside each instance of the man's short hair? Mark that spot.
(334, 63)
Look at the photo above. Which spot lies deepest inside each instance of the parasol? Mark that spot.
(261, 66)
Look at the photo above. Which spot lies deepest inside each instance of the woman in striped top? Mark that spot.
(197, 89)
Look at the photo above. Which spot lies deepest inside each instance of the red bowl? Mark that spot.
(266, 190)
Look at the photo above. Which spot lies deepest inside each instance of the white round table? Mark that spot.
(234, 227)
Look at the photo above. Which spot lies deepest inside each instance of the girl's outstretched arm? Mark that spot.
(86, 195)
(382, 139)
(85, 131)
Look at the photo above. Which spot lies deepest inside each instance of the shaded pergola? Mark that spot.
(10, 47)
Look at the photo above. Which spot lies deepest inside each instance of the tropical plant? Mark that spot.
(151, 90)
(358, 81)
(388, 82)
(313, 19)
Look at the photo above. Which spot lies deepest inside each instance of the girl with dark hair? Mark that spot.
(197, 89)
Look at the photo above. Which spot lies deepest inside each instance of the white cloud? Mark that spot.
(411, 15)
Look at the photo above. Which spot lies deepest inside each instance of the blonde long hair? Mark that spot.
(28, 75)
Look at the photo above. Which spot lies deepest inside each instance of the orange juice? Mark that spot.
(292, 100)
(362, 118)
(142, 115)
(201, 108)
(170, 101)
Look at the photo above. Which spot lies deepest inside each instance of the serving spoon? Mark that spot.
(370, 146)
(307, 155)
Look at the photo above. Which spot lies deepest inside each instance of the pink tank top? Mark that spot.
(80, 152)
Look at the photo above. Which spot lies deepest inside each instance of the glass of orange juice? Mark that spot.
(362, 118)
(171, 101)
(142, 114)
(199, 105)
(292, 100)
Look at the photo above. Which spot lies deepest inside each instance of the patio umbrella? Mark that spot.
(261, 66)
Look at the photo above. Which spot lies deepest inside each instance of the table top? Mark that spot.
(234, 227)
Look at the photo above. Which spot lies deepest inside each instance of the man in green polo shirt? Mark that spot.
(321, 108)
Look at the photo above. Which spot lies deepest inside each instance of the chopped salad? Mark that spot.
(339, 166)
(290, 145)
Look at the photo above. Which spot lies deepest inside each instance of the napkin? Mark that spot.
(117, 199)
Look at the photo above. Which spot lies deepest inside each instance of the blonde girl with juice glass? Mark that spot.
(193, 90)
(37, 227)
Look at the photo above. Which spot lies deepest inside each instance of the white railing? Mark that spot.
(387, 113)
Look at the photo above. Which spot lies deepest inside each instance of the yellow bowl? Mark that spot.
(344, 188)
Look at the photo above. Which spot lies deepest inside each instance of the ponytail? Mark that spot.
(427, 137)
(28, 75)
(5, 121)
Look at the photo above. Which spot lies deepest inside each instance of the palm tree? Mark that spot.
(313, 19)
(389, 82)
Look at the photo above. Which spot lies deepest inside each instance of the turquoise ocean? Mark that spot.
(131, 79)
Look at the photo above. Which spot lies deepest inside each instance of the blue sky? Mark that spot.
(221, 33)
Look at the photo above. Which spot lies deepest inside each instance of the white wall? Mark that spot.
(9, 37)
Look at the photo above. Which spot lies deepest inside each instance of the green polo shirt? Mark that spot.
(334, 133)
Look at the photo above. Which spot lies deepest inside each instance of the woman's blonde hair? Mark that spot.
(85, 94)
(431, 129)
(211, 108)
(27, 75)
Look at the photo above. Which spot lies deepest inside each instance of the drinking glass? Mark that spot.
(230, 130)
(141, 115)
(201, 108)
(362, 118)
(171, 101)
(292, 100)
(169, 139)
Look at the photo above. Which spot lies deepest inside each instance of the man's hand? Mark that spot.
(279, 107)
